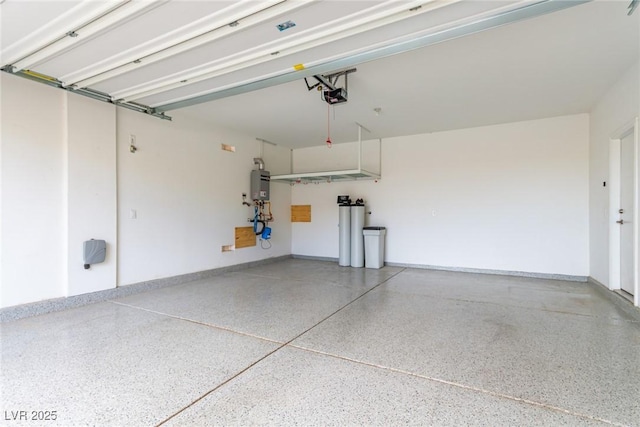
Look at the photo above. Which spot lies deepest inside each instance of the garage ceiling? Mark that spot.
(168, 55)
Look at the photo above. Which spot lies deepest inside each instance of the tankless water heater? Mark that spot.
(260, 180)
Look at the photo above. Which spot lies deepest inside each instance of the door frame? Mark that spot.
(614, 205)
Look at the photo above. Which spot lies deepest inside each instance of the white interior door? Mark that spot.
(627, 156)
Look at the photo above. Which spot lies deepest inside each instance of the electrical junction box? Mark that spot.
(94, 252)
(260, 180)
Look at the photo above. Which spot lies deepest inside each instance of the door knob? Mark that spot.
(620, 222)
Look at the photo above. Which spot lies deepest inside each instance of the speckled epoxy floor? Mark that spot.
(302, 342)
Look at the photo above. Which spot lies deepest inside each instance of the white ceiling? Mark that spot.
(157, 53)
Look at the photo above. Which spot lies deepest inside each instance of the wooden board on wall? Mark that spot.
(300, 213)
(245, 237)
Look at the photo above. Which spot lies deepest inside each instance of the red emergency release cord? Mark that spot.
(328, 126)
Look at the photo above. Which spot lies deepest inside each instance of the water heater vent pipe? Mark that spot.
(258, 161)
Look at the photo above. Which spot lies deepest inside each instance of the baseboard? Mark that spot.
(8, 314)
(596, 282)
(620, 301)
(548, 276)
(48, 306)
(315, 258)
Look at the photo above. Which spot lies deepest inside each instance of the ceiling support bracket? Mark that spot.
(329, 81)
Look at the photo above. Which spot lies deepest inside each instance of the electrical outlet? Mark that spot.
(132, 144)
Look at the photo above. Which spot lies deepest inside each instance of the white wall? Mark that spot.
(507, 197)
(277, 158)
(63, 157)
(91, 191)
(33, 223)
(617, 107)
(187, 194)
(58, 190)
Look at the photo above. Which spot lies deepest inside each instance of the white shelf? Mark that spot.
(340, 175)
(329, 176)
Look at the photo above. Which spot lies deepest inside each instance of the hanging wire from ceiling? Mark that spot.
(328, 126)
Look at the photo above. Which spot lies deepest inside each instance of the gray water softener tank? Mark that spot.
(357, 239)
(344, 236)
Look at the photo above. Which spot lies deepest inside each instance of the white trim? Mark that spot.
(64, 231)
(614, 203)
(636, 215)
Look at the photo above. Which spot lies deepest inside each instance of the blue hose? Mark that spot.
(257, 221)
